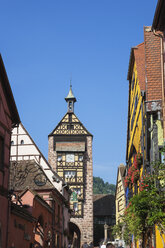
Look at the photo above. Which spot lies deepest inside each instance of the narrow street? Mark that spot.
(82, 159)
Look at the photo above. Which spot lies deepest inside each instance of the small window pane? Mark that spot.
(59, 158)
(80, 158)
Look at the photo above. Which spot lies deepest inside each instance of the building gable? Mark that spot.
(70, 125)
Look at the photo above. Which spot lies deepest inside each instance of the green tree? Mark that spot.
(147, 208)
(100, 187)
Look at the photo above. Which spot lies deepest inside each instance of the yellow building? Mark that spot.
(120, 194)
(136, 114)
(144, 130)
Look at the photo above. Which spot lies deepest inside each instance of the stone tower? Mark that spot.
(70, 155)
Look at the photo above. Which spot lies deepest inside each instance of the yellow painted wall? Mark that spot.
(120, 199)
(160, 132)
(136, 131)
(159, 243)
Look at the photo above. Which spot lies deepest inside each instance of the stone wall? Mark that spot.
(85, 224)
(52, 155)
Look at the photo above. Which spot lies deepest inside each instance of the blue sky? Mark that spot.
(45, 43)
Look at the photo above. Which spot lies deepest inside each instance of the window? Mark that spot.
(12, 143)
(70, 106)
(161, 155)
(80, 158)
(70, 117)
(1, 152)
(120, 205)
(75, 206)
(22, 142)
(59, 158)
(69, 174)
(133, 81)
(70, 127)
(134, 111)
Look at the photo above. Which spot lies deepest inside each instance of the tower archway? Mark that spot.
(74, 235)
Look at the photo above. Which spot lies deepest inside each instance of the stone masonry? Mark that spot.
(85, 224)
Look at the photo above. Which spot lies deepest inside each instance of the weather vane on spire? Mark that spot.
(71, 81)
(70, 99)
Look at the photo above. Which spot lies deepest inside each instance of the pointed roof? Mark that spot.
(48, 166)
(70, 95)
(79, 128)
(121, 170)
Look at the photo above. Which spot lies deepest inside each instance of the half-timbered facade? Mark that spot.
(29, 168)
(70, 154)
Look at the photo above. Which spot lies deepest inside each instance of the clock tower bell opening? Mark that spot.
(70, 99)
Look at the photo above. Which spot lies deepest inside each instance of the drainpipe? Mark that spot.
(162, 76)
(143, 95)
(146, 135)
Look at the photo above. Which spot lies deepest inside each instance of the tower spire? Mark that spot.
(70, 99)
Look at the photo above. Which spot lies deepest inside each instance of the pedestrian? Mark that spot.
(85, 245)
(90, 245)
(110, 245)
(103, 245)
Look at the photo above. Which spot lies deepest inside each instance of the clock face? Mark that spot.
(70, 157)
(40, 179)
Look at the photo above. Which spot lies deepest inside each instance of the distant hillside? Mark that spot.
(100, 187)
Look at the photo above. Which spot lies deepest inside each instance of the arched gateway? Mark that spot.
(70, 154)
(74, 235)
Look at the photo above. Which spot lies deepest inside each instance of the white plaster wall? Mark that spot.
(29, 151)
